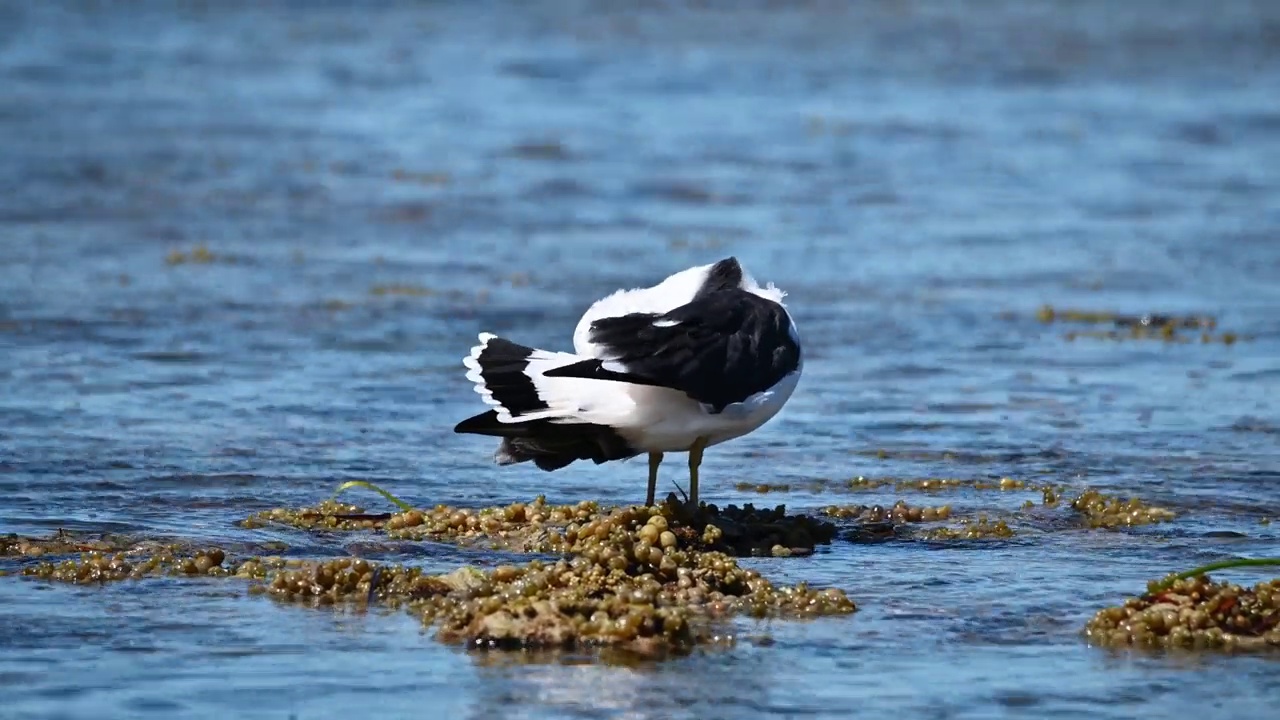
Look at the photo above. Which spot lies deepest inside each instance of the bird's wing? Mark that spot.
(718, 349)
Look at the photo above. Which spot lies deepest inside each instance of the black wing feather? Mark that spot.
(719, 349)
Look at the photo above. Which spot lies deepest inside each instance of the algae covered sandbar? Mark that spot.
(650, 580)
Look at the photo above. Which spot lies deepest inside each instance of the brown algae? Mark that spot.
(60, 543)
(402, 289)
(1096, 510)
(537, 526)
(901, 484)
(1148, 326)
(1105, 511)
(647, 580)
(1050, 314)
(643, 579)
(99, 567)
(981, 528)
(762, 488)
(935, 484)
(900, 512)
(631, 582)
(1195, 613)
(199, 255)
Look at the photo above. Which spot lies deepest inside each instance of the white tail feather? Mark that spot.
(568, 399)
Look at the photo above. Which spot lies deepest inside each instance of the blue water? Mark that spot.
(920, 177)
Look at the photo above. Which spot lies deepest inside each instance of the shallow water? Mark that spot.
(378, 186)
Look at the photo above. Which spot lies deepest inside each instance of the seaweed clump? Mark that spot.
(900, 512)
(933, 484)
(538, 526)
(1195, 613)
(1148, 326)
(327, 515)
(763, 488)
(60, 543)
(636, 578)
(643, 580)
(199, 255)
(98, 567)
(981, 528)
(1105, 511)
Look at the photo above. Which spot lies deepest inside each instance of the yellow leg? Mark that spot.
(655, 459)
(695, 460)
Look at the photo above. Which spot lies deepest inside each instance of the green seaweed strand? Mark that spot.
(370, 486)
(1220, 565)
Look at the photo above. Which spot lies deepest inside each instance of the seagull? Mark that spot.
(705, 356)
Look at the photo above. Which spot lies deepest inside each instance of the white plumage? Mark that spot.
(705, 356)
(568, 399)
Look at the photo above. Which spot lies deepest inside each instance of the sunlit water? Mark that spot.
(919, 176)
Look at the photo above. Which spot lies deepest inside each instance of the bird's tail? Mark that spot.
(545, 419)
(509, 377)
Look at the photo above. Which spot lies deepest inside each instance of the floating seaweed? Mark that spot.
(1105, 511)
(981, 528)
(401, 289)
(199, 255)
(901, 484)
(99, 567)
(763, 488)
(1049, 314)
(60, 543)
(1148, 326)
(1097, 510)
(900, 512)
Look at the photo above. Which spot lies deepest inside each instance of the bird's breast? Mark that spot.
(673, 425)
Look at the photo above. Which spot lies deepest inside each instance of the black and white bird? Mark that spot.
(705, 356)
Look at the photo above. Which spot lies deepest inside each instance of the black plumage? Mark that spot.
(548, 444)
(502, 368)
(724, 346)
(504, 371)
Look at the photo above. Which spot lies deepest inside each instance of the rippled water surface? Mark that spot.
(377, 186)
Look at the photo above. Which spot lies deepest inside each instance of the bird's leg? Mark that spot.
(655, 459)
(695, 460)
